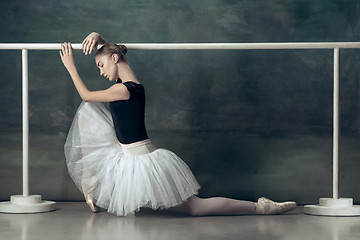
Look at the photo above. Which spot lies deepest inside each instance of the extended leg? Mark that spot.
(217, 206)
(226, 206)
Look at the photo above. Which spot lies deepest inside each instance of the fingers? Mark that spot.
(89, 45)
(83, 44)
(66, 48)
(85, 41)
(69, 48)
(86, 47)
(62, 51)
(92, 46)
(67, 56)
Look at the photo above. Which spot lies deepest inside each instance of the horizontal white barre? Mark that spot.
(194, 46)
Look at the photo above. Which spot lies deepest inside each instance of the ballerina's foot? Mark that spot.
(92, 205)
(265, 206)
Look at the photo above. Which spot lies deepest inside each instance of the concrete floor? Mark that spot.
(73, 220)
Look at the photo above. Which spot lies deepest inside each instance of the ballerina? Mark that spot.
(111, 158)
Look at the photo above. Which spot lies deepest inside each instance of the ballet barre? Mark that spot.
(334, 206)
(193, 46)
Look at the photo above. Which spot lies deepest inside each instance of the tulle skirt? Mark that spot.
(121, 179)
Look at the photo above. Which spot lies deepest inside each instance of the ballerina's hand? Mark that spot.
(67, 56)
(91, 42)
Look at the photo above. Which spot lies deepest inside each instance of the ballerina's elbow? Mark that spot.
(90, 96)
(85, 97)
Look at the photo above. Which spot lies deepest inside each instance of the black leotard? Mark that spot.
(129, 115)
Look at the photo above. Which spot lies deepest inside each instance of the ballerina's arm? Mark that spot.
(114, 93)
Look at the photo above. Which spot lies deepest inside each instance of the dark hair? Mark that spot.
(111, 48)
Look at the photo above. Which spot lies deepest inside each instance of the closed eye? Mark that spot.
(100, 64)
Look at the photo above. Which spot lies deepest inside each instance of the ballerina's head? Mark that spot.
(108, 59)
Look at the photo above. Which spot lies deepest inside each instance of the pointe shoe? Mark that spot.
(91, 204)
(265, 206)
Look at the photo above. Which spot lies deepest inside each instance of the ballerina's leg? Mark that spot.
(196, 206)
(88, 178)
(226, 206)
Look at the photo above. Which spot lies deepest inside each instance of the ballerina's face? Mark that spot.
(107, 66)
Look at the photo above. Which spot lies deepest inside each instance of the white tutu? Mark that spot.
(116, 180)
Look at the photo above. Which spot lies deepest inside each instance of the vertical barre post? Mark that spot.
(25, 121)
(336, 124)
(335, 206)
(26, 203)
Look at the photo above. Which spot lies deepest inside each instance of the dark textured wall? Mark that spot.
(248, 123)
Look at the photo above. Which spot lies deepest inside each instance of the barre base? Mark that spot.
(342, 207)
(26, 204)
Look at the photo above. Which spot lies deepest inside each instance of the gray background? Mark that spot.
(248, 123)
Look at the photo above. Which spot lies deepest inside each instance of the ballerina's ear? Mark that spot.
(115, 58)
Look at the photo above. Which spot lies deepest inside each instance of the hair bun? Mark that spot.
(123, 48)
(111, 48)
